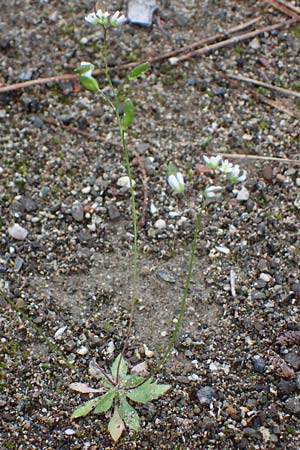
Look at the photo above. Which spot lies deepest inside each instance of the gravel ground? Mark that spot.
(235, 370)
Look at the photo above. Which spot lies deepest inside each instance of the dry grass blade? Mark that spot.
(284, 7)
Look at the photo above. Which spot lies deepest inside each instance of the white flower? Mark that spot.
(117, 19)
(102, 17)
(226, 166)
(234, 175)
(98, 18)
(212, 192)
(176, 182)
(91, 18)
(89, 68)
(213, 162)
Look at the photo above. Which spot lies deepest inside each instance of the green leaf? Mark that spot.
(172, 169)
(133, 380)
(85, 408)
(105, 402)
(122, 368)
(138, 70)
(89, 83)
(128, 113)
(116, 425)
(84, 68)
(147, 392)
(129, 414)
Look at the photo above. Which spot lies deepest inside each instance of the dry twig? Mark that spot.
(261, 83)
(233, 40)
(284, 7)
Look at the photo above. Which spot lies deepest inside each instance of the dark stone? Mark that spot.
(259, 365)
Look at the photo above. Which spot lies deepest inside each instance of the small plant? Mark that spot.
(118, 387)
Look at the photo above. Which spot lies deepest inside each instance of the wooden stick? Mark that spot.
(290, 6)
(233, 40)
(126, 66)
(262, 98)
(261, 83)
(283, 7)
(265, 158)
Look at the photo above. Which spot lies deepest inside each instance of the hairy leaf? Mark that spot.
(133, 380)
(128, 113)
(129, 414)
(137, 71)
(116, 425)
(105, 402)
(122, 368)
(85, 408)
(147, 392)
(172, 169)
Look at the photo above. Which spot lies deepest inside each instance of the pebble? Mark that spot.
(265, 277)
(293, 358)
(86, 190)
(255, 44)
(28, 204)
(242, 194)
(160, 224)
(293, 405)
(77, 211)
(149, 165)
(113, 212)
(44, 192)
(205, 395)
(259, 365)
(166, 276)
(124, 182)
(224, 250)
(19, 262)
(83, 351)
(70, 431)
(17, 232)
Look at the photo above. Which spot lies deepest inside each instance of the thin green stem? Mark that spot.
(116, 107)
(184, 296)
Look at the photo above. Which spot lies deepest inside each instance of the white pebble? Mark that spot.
(222, 249)
(160, 224)
(82, 351)
(124, 182)
(243, 194)
(265, 277)
(60, 331)
(17, 232)
(70, 431)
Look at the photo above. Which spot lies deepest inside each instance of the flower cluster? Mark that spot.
(225, 167)
(104, 19)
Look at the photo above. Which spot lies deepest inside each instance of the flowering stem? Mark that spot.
(185, 293)
(116, 107)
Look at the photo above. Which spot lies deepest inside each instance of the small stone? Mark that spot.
(60, 332)
(205, 395)
(293, 358)
(113, 212)
(83, 351)
(70, 431)
(252, 433)
(86, 190)
(17, 232)
(77, 211)
(224, 250)
(18, 264)
(44, 192)
(242, 194)
(255, 44)
(149, 165)
(265, 277)
(293, 405)
(259, 365)
(124, 183)
(160, 224)
(28, 204)
(166, 276)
